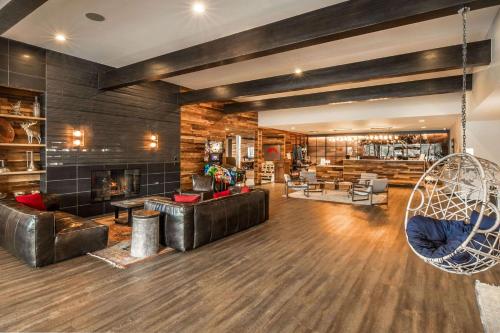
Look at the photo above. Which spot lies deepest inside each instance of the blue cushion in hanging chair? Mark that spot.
(434, 238)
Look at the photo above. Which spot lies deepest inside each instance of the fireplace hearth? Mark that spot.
(115, 184)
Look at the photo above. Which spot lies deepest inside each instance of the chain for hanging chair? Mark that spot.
(464, 11)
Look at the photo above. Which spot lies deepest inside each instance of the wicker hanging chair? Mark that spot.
(452, 219)
(463, 190)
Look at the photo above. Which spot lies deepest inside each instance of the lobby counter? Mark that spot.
(398, 172)
(329, 172)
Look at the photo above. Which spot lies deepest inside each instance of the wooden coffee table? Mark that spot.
(130, 205)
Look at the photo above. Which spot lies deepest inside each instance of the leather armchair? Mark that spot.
(203, 186)
(189, 226)
(41, 238)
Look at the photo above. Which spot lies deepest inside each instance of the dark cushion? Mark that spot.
(437, 238)
(486, 223)
(32, 200)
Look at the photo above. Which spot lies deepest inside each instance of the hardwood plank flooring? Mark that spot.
(314, 267)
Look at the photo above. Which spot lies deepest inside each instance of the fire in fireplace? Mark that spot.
(115, 184)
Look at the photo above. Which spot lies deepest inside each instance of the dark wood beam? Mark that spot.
(15, 10)
(435, 60)
(396, 90)
(343, 20)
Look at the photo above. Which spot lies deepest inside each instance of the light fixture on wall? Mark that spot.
(153, 141)
(78, 138)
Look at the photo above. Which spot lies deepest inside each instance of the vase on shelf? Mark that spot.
(3, 168)
(30, 163)
(36, 108)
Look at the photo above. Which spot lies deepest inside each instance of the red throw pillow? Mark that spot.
(187, 198)
(222, 194)
(245, 189)
(32, 200)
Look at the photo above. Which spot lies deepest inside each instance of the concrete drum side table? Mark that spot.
(145, 233)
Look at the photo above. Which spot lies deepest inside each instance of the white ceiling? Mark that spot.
(438, 111)
(136, 30)
(376, 125)
(415, 37)
(3, 3)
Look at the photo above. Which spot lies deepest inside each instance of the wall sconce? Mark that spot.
(154, 139)
(78, 138)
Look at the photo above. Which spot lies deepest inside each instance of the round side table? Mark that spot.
(145, 233)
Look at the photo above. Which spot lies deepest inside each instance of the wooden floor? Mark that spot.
(315, 267)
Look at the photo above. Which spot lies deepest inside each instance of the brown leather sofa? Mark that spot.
(41, 238)
(188, 226)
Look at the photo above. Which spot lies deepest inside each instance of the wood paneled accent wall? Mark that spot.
(206, 121)
(285, 139)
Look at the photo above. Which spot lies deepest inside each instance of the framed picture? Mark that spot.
(271, 152)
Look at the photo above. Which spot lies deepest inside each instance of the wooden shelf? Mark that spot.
(22, 145)
(12, 116)
(15, 173)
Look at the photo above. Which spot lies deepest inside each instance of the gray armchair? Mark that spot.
(362, 192)
(300, 185)
(314, 184)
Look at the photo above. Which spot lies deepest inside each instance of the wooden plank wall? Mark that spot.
(202, 122)
(285, 139)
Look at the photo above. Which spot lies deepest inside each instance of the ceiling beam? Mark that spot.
(435, 60)
(343, 20)
(396, 90)
(15, 10)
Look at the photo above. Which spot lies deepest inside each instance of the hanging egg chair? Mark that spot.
(452, 218)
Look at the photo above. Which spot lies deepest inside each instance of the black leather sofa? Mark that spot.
(188, 226)
(41, 238)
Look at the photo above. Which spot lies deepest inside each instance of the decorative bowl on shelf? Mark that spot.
(7, 133)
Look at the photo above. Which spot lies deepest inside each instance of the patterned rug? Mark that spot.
(488, 299)
(119, 256)
(336, 196)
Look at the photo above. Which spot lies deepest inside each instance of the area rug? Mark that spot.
(117, 232)
(488, 299)
(119, 256)
(336, 196)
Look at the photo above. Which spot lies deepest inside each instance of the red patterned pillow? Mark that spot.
(32, 200)
(245, 189)
(187, 198)
(222, 194)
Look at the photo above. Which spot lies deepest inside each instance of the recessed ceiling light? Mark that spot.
(95, 17)
(26, 56)
(198, 8)
(60, 37)
(423, 127)
(297, 71)
(293, 127)
(421, 121)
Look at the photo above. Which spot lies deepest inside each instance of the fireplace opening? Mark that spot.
(115, 184)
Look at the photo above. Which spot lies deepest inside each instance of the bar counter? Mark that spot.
(398, 172)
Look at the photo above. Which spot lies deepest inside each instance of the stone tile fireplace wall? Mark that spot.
(72, 183)
(117, 125)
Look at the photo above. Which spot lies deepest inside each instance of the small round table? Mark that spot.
(145, 233)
